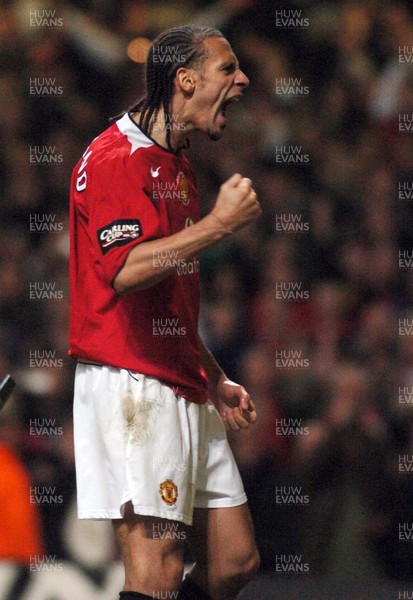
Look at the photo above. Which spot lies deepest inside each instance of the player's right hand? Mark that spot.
(237, 203)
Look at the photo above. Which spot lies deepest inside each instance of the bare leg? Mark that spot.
(222, 543)
(152, 565)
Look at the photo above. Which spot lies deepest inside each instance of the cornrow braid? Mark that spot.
(172, 49)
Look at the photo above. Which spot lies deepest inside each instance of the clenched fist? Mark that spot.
(237, 203)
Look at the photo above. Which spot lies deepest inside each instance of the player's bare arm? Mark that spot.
(232, 401)
(236, 206)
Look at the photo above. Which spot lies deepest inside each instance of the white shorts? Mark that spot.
(135, 440)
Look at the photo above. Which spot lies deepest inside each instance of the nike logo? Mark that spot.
(155, 172)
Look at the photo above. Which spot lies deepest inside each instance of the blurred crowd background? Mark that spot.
(310, 308)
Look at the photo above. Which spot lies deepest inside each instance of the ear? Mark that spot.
(185, 80)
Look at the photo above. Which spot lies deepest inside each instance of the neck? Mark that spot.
(159, 127)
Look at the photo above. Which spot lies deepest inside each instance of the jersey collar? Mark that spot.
(137, 138)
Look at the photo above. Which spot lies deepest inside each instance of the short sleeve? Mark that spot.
(118, 216)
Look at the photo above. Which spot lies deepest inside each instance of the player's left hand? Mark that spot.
(234, 404)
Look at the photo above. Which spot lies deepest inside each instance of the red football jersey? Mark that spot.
(125, 191)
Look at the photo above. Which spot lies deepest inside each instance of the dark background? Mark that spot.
(352, 424)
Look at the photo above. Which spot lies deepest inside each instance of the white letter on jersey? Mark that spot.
(82, 180)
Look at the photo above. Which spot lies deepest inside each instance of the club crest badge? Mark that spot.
(169, 492)
(183, 188)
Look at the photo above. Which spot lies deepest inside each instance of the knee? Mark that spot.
(226, 577)
(249, 565)
(172, 570)
(242, 568)
(164, 570)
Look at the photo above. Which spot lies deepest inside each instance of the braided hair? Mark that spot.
(172, 49)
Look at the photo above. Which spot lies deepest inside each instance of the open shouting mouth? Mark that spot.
(227, 102)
